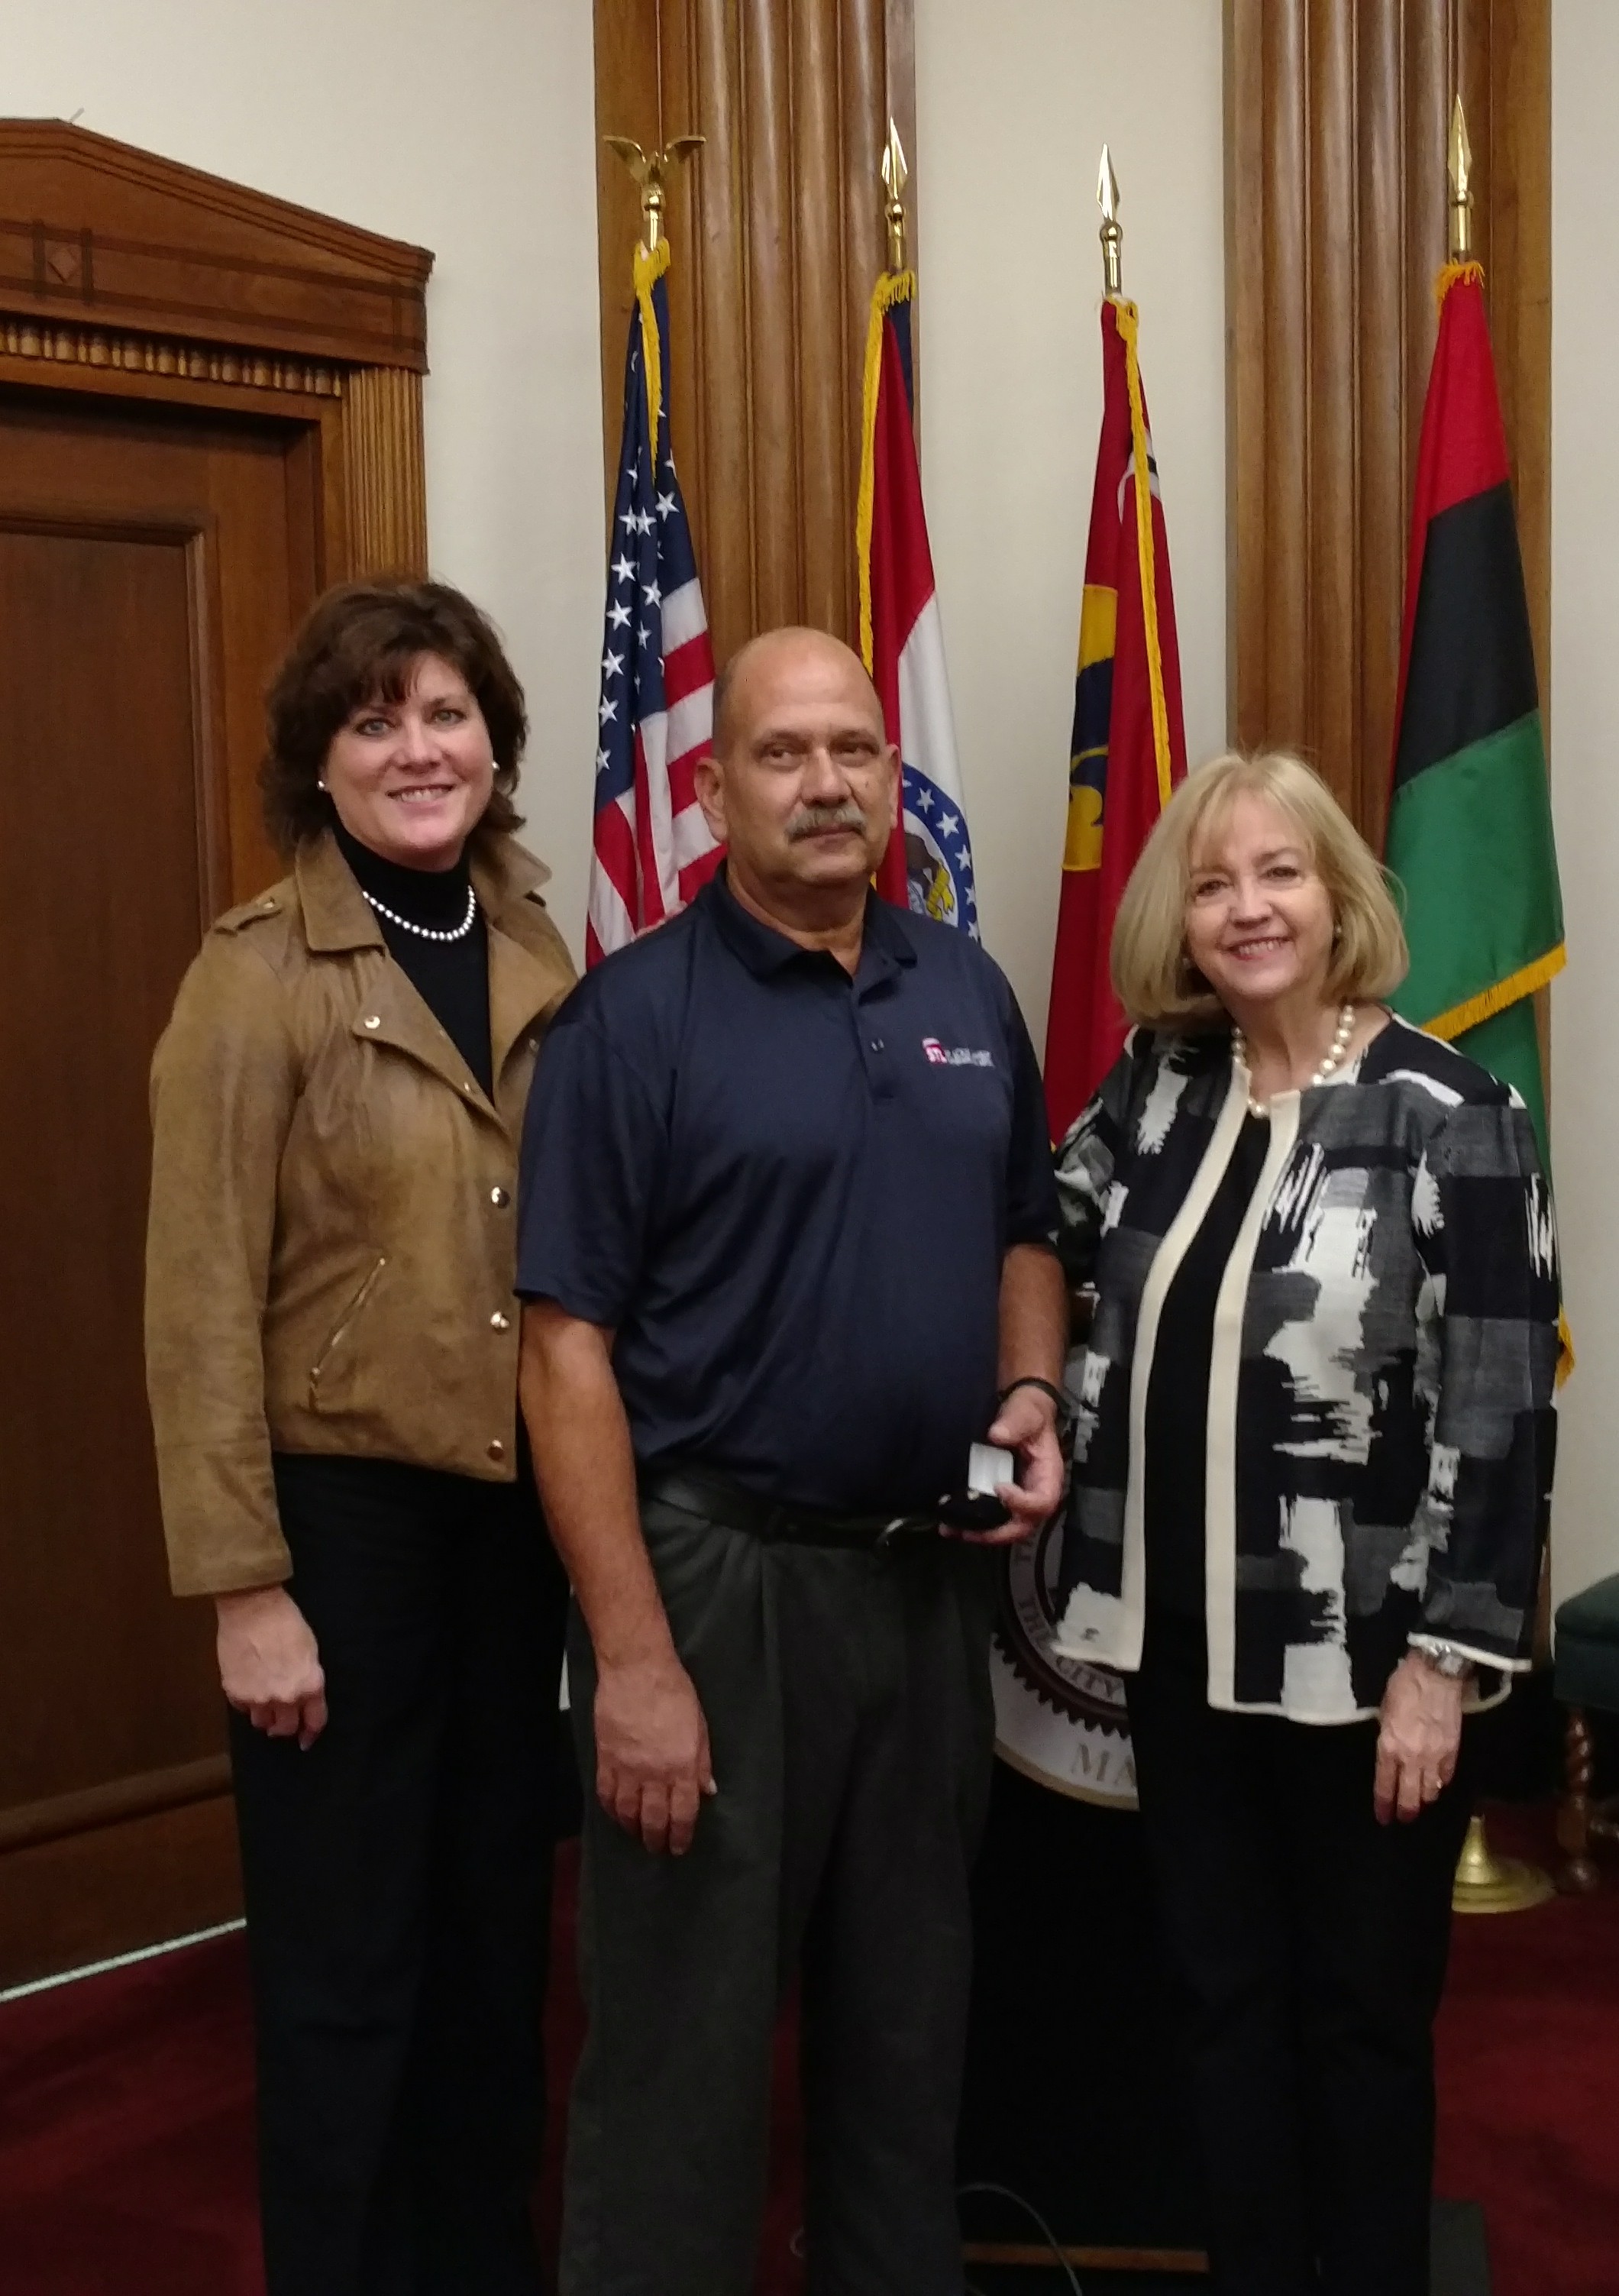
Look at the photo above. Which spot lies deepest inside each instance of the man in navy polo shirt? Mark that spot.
(785, 1211)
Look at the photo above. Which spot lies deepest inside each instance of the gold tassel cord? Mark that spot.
(893, 287)
(1128, 325)
(650, 265)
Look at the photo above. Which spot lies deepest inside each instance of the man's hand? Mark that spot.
(1027, 1426)
(269, 1667)
(652, 1763)
(1419, 1737)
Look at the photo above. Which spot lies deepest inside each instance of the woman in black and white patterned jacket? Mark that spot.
(1312, 1466)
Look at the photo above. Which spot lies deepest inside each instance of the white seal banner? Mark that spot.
(1062, 1721)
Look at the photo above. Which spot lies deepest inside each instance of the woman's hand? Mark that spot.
(1419, 1732)
(269, 1667)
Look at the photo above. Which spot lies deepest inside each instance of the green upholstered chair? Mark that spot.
(1587, 1677)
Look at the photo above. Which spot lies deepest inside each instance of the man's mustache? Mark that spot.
(810, 820)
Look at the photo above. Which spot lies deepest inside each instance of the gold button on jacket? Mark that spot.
(323, 1244)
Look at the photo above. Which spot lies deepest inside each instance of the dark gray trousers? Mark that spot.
(850, 1715)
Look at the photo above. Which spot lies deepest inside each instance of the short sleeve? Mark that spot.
(593, 1148)
(1031, 1189)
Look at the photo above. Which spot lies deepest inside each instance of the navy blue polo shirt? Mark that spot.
(789, 1193)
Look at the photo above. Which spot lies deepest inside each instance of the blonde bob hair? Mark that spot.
(1153, 977)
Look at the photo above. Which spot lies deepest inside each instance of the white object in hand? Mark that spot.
(988, 1468)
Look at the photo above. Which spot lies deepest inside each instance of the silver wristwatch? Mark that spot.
(1443, 1657)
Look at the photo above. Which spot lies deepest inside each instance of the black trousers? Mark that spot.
(1311, 1944)
(398, 1881)
(849, 1715)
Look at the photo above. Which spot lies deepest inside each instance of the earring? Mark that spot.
(321, 787)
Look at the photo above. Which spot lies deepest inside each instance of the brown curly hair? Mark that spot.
(356, 647)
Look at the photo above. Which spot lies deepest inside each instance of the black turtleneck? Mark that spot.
(451, 977)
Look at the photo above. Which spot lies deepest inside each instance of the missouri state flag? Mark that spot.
(651, 847)
(1469, 822)
(928, 863)
(1128, 749)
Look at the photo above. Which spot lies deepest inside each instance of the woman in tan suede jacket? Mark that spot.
(331, 1344)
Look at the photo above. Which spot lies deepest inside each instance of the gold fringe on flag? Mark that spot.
(1454, 274)
(1496, 998)
(1128, 325)
(893, 287)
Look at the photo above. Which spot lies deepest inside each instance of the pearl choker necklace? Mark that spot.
(426, 932)
(1335, 1058)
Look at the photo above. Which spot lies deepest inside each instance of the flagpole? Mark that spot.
(1111, 235)
(1484, 1884)
(652, 171)
(1460, 168)
(895, 176)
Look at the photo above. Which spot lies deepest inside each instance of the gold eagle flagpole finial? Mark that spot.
(651, 171)
(1461, 170)
(1111, 236)
(896, 174)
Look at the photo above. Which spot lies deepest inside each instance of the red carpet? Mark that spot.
(125, 2113)
(1528, 2049)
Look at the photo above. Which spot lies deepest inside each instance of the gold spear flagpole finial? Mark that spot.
(1111, 236)
(652, 170)
(896, 174)
(1461, 170)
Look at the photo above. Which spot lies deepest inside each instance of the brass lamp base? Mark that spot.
(1488, 1884)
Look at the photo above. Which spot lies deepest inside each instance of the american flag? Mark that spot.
(652, 848)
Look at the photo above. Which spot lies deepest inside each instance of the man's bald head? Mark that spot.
(791, 655)
(800, 782)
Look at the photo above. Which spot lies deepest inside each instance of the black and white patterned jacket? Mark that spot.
(1380, 1420)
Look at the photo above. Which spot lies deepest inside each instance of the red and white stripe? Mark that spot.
(653, 848)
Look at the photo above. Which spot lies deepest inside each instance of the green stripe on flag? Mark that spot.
(1508, 1045)
(1470, 840)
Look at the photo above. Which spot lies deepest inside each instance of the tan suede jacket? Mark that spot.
(331, 1243)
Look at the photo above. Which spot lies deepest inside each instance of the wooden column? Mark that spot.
(386, 469)
(776, 232)
(1337, 117)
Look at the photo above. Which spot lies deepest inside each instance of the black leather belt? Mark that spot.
(715, 1498)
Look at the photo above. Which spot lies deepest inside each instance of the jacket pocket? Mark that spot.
(340, 1329)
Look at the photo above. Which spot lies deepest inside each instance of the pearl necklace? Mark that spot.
(1340, 1045)
(426, 932)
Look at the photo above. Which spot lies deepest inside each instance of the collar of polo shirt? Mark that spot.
(764, 950)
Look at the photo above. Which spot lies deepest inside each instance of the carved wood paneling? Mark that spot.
(1337, 117)
(387, 471)
(776, 230)
(153, 279)
(153, 355)
(96, 233)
